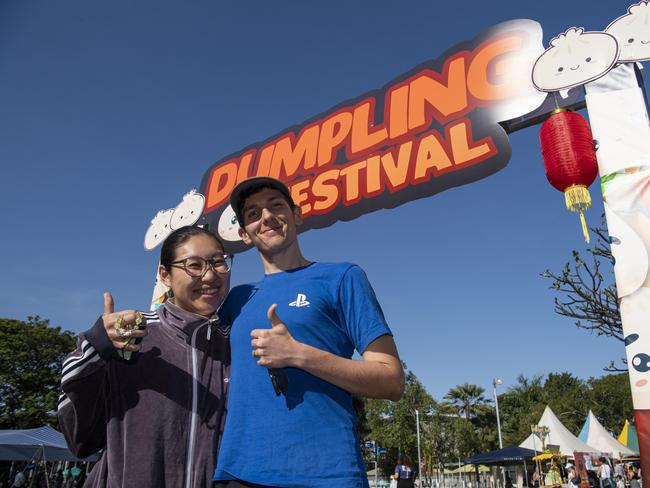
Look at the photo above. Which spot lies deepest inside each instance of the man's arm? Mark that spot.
(378, 374)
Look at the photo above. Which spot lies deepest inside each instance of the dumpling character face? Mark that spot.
(637, 344)
(632, 31)
(228, 227)
(159, 229)
(188, 211)
(574, 58)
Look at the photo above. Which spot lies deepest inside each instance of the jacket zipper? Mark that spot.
(193, 414)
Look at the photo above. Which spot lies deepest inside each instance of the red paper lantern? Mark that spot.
(570, 159)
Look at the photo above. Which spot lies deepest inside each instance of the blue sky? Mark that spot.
(110, 111)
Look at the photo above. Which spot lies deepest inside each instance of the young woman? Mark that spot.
(404, 472)
(157, 412)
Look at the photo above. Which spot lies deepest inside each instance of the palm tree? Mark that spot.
(466, 399)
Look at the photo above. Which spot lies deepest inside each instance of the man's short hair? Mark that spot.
(250, 187)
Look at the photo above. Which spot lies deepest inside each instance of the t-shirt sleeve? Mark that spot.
(360, 311)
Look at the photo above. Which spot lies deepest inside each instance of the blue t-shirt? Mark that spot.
(308, 436)
(403, 472)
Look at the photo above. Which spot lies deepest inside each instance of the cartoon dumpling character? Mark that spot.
(635, 308)
(575, 58)
(188, 211)
(228, 227)
(632, 31)
(159, 229)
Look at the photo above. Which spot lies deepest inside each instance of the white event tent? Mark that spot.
(558, 435)
(594, 434)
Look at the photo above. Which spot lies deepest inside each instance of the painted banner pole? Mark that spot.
(618, 114)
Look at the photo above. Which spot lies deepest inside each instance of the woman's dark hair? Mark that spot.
(180, 237)
(404, 459)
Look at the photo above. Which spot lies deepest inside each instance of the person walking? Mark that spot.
(404, 472)
(605, 473)
(572, 476)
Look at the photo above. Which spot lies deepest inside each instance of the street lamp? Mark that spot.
(417, 425)
(495, 382)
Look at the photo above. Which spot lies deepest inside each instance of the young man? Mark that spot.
(301, 323)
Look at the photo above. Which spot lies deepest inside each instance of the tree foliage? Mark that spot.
(465, 423)
(467, 399)
(31, 353)
(588, 295)
(393, 423)
(570, 398)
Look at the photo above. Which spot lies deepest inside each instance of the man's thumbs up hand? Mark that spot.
(273, 316)
(274, 347)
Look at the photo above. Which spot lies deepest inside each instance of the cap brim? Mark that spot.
(248, 184)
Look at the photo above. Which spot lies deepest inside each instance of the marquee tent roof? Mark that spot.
(468, 468)
(558, 435)
(501, 456)
(629, 437)
(27, 444)
(594, 434)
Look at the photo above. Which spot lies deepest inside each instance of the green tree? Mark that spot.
(31, 354)
(467, 399)
(568, 398)
(393, 423)
(610, 399)
(520, 407)
(588, 295)
(441, 433)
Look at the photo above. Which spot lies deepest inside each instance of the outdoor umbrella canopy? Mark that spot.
(27, 444)
(501, 456)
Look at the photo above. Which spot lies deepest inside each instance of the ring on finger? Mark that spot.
(127, 333)
(120, 332)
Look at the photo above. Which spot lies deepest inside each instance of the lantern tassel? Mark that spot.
(585, 232)
(578, 199)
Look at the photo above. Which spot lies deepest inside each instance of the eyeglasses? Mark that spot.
(196, 266)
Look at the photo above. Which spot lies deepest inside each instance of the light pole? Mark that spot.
(495, 382)
(417, 427)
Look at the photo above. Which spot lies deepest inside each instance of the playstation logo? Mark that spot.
(301, 301)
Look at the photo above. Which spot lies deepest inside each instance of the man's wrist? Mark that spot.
(301, 356)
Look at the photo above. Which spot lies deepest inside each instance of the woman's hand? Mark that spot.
(122, 327)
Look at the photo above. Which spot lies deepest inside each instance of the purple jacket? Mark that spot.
(159, 416)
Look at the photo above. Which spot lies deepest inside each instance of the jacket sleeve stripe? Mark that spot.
(63, 401)
(74, 357)
(74, 371)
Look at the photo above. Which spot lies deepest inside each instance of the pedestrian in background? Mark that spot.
(404, 472)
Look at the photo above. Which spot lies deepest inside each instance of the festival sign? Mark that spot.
(430, 129)
(444, 123)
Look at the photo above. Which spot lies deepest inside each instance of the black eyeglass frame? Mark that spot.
(207, 264)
